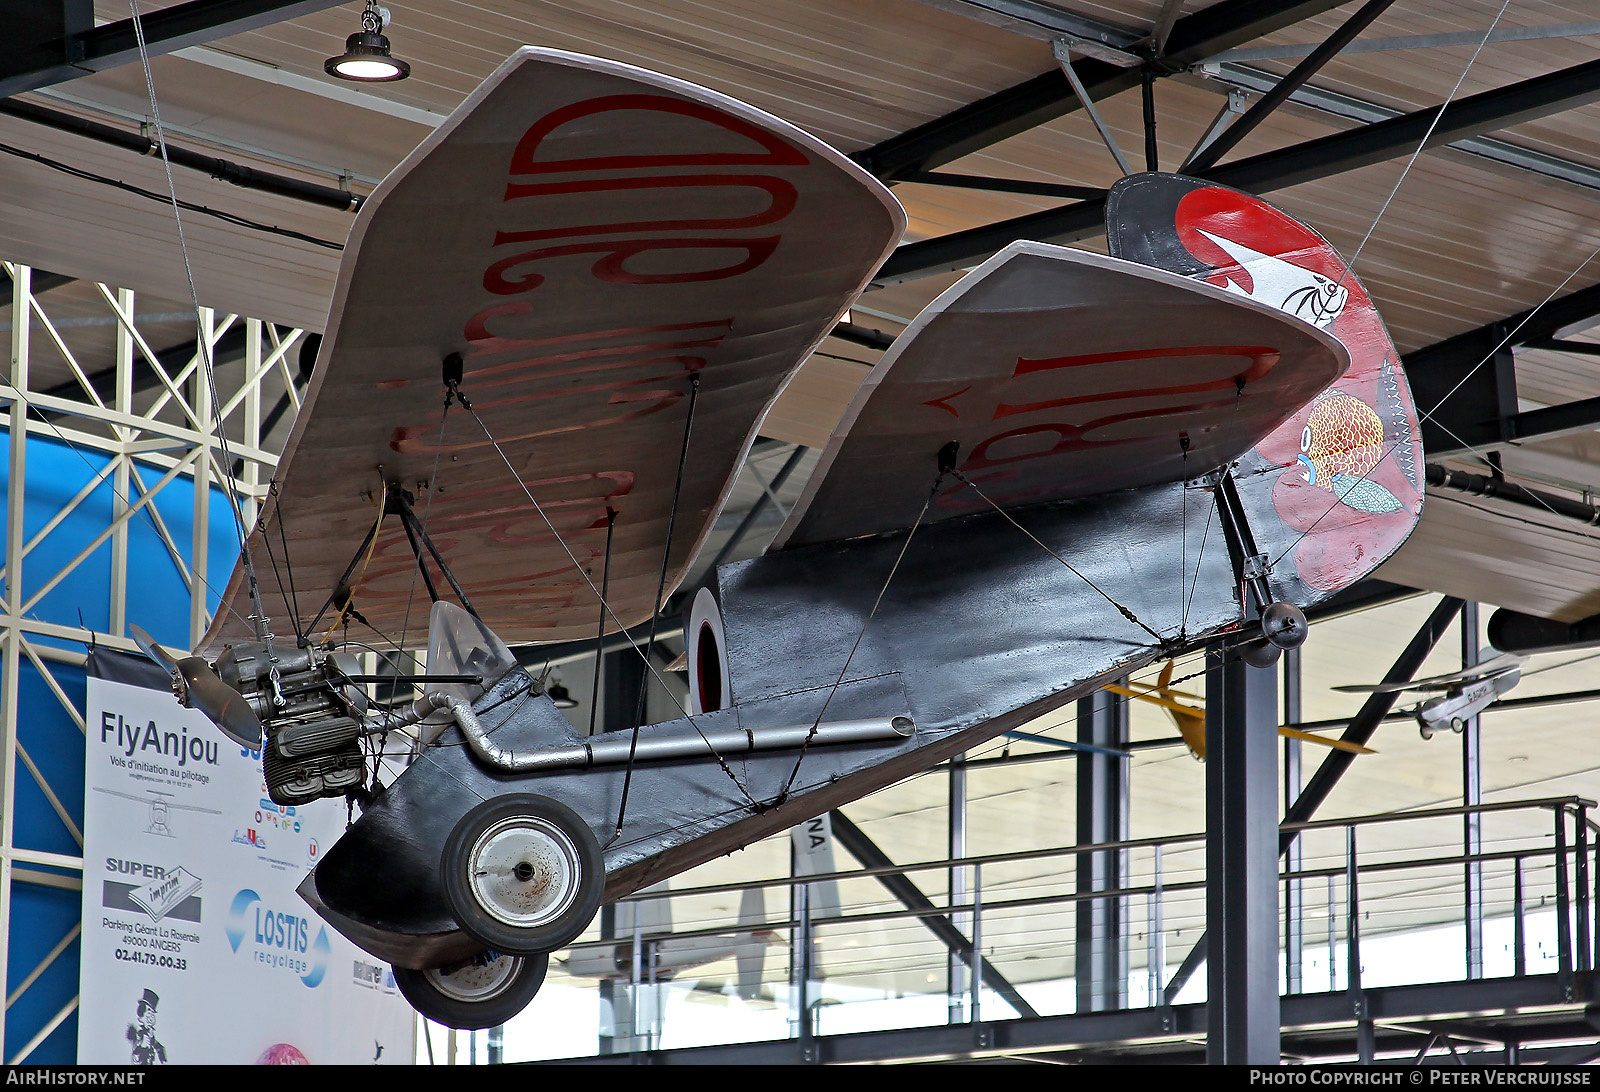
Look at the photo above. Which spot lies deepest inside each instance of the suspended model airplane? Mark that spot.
(1465, 693)
(556, 330)
(1190, 718)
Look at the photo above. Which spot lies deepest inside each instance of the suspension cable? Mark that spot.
(604, 605)
(661, 589)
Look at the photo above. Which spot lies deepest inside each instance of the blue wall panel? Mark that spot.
(158, 600)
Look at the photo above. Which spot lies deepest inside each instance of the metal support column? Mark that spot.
(200, 540)
(1241, 863)
(118, 620)
(1294, 925)
(11, 640)
(1365, 722)
(1471, 796)
(1102, 924)
(622, 673)
(957, 983)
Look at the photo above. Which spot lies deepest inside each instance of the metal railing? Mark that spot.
(1372, 891)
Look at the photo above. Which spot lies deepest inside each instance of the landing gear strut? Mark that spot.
(1283, 625)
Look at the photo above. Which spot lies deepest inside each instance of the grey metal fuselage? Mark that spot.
(979, 631)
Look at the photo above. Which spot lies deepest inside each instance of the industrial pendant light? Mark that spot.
(366, 53)
(562, 697)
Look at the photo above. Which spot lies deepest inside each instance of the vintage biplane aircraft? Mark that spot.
(1464, 695)
(555, 332)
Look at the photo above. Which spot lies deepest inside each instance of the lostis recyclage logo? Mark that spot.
(280, 939)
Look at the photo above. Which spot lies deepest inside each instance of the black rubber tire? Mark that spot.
(496, 829)
(452, 999)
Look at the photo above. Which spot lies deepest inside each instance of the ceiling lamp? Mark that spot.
(366, 53)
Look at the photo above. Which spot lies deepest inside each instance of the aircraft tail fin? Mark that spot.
(750, 957)
(1342, 476)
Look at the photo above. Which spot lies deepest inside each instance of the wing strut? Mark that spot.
(341, 595)
(400, 502)
(661, 591)
(453, 384)
(1283, 625)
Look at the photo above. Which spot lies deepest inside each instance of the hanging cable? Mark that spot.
(266, 540)
(783, 793)
(259, 615)
(1423, 143)
(661, 589)
(604, 605)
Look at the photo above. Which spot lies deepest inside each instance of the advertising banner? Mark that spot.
(195, 947)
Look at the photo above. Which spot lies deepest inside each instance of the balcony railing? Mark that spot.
(1382, 900)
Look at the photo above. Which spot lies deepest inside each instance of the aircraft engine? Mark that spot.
(312, 735)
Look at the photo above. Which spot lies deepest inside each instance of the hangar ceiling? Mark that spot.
(1481, 252)
(1496, 219)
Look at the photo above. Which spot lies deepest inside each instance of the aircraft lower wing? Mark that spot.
(1061, 374)
(591, 238)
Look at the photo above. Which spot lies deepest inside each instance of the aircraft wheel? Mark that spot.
(1425, 732)
(1262, 653)
(523, 874)
(1457, 725)
(483, 992)
(1284, 625)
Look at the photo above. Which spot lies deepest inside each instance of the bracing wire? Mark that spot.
(1124, 611)
(605, 606)
(783, 793)
(263, 633)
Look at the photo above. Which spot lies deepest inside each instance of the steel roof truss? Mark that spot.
(50, 43)
(1308, 161)
(1466, 384)
(1229, 138)
(1044, 98)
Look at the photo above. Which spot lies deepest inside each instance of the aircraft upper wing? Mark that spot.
(1061, 374)
(588, 236)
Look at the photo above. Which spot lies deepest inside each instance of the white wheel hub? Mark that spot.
(478, 980)
(525, 872)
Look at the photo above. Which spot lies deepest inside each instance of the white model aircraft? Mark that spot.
(1466, 693)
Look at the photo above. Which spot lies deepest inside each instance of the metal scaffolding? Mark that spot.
(139, 426)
